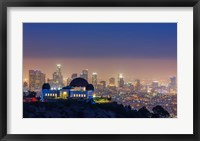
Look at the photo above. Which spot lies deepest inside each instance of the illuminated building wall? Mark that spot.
(78, 88)
(49, 94)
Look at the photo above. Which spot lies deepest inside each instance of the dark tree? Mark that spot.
(160, 112)
(31, 94)
(144, 112)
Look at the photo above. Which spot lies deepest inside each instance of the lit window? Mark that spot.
(50, 94)
(55, 95)
(79, 95)
(45, 94)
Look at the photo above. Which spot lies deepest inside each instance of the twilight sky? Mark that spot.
(138, 50)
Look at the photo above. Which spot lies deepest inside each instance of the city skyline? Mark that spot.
(90, 75)
(136, 50)
(135, 94)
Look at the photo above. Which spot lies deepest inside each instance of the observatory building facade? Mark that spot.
(79, 88)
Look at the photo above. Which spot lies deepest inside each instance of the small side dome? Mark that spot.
(90, 87)
(46, 86)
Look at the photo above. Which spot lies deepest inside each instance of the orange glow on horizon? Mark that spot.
(105, 68)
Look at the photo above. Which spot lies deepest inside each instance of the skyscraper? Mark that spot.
(120, 80)
(84, 74)
(112, 81)
(57, 77)
(155, 84)
(74, 75)
(137, 85)
(94, 79)
(173, 85)
(51, 83)
(36, 80)
(103, 83)
(25, 86)
(173, 81)
(69, 81)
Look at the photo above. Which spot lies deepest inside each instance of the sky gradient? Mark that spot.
(138, 50)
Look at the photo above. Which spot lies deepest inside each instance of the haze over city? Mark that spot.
(138, 50)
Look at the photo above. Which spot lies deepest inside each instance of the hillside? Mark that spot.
(81, 109)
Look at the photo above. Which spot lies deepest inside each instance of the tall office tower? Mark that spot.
(74, 75)
(94, 79)
(138, 85)
(173, 85)
(103, 84)
(112, 81)
(84, 74)
(68, 81)
(51, 83)
(173, 81)
(155, 84)
(36, 80)
(25, 86)
(57, 77)
(120, 80)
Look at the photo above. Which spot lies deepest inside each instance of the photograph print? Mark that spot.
(99, 70)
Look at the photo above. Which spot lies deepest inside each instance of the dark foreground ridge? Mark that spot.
(81, 109)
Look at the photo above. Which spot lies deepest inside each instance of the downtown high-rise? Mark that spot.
(120, 80)
(94, 79)
(36, 80)
(84, 74)
(57, 77)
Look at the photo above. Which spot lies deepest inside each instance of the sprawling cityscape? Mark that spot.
(108, 69)
(137, 94)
